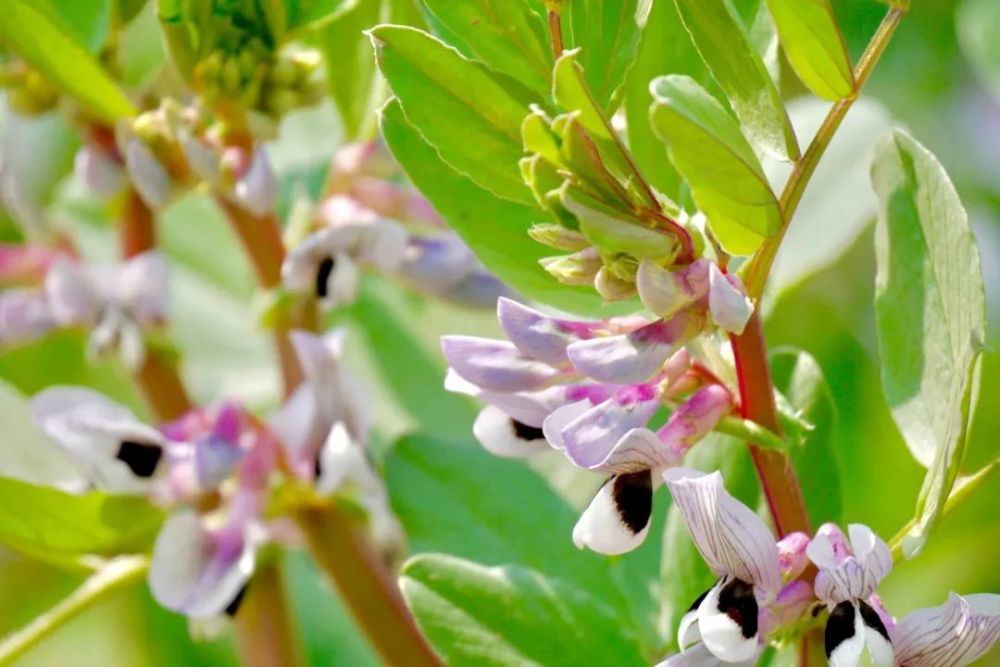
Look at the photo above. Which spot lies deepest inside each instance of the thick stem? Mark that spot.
(114, 576)
(265, 633)
(777, 476)
(261, 239)
(342, 550)
(157, 377)
(759, 267)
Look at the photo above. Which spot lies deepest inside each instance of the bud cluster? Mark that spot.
(255, 77)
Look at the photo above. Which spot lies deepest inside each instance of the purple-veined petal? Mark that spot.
(638, 449)
(111, 447)
(257, 189)
(855, 576)
(539, 336)
(953, 635)
(141, 286)
(24, 315)
(496, 365)
(591, 438)
(633, 357)
(728, 621)
(617, 520)
(727, 301)
(503, 435)
(856, 637)
(197, 572)
(732, 539)
(665, 293)
(73, 294)
(562, 417)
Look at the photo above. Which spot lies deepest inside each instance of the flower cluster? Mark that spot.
(367, 220)
(214, 470)
(593, 389)
(117, 303)
(759, 592)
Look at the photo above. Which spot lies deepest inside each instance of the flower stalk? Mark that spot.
(265, 632)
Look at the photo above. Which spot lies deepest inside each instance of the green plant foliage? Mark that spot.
(931, 310)
(608, 33)
(726, 49)
(978, 23)
(814, 46)
(511, 615)
(474, 122)
(508, 36)
(43, 39)
(707, 148)
(495, 228)
(310, 14)
(53, 525)
(25, 453)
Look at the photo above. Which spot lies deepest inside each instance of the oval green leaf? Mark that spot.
(814, 45)
(707, 148)
(470, 116)
(725, 47)
(42, 38)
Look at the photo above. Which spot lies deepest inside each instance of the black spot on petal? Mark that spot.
(839, 627)
(141, 457)
(633, 496)
(738, 602)
(872, 619)
(525, 432)
(234, 605)
(700, 599)
(323, 272)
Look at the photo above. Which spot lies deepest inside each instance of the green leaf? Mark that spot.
(496, 229)
(799, 378)
(475, 615)
(814, 46)
(683, 574)
(43, 39)
(978, 23)
(608, 33)
(88, 19)
(350, 67)
(931, 314)
(736, 65)
(506, 35)
(51, 524)
(707, 148)
(470, 116)
(311, 14)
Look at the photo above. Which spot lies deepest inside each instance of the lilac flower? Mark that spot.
(540, 390)
(849, 573)
(443, 266)
(116, 302)
(728, 623)
(102, 173)
(666, 293)
(953, 635)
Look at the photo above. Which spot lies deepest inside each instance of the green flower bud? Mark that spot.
(576, 269)
(557, 236)
(231, 77)
(612, 288)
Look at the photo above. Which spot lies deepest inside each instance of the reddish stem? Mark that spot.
(777, 476)
(261, 638)
(261, 239)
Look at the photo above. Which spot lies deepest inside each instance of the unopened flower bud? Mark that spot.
(557, 236)
(577, 269)
(612, 288)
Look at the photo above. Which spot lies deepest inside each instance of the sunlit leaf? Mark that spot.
(43, 39)
(726, 49)
(496, 229)
(311, 14)
(470, 116)
(608, 33)
(931, 314)
(475, 615)
(814, 46)
(707, 148)
(48, 523)
(506, 35)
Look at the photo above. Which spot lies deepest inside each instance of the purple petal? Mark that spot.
(257, 189)
(141, 286)
(196, 572)
(99, 172)
(148, 176)
(636, 356)
(496, 365)
(727, 301)
(856, 576)
(560, 418)
(73, 295)
(528, 407)
(24, 315)
(337, 394)
(955, 634)
(665, 293)
(591, 438)
(437, 263)
(695, 418)
(539, 336)
(617, 519)
(732, 539)
(479, 289)
(792, 555)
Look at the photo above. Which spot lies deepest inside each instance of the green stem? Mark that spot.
(343, 551)
(759, 268)
(117, 574)
(961, 492)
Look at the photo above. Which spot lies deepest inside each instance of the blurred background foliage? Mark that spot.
(940, 78)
